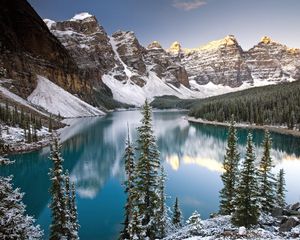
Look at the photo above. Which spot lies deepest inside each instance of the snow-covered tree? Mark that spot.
(229, 177)
(72, 231)
(246, 201)
(194, 223)
(59, 224)
(177, 215)
(73, 214)
(14, 223)
(280, 189)
(147, 176)
(266, 177)
(162, 214)
(129, 186)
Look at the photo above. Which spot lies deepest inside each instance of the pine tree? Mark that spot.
(73, 214)
(129, 186)
(177, 215)
(14, 223)
(229, 177)
(29, 136)
(50, 127)
(246, 201)
(162, 214)
(35, 137)
(147, 175)
(266, 178)
(280, 189)
(68, 205)
(58, 227)
(195, 224)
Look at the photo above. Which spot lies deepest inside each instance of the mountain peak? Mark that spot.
(266, 40)
(81, 16)
(154, 44)
(175, 47)
(229, 40)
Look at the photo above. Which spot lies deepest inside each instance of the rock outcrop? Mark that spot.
(28, 48)
(79, 56)
(87, 42)
(272, 61)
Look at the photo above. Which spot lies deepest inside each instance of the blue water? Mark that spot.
(93, 150)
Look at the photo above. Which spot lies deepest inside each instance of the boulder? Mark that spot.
(287, 223)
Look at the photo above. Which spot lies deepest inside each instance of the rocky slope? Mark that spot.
(28, 48)
(79, 56)
(134, 72)
(129, 69)
(225, 62)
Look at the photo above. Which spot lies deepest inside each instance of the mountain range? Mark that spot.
(114, 71)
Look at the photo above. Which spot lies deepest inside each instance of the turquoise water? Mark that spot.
(93, 149)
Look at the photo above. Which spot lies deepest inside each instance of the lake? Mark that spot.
(93, 149)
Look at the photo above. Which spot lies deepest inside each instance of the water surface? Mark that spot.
(93, 150)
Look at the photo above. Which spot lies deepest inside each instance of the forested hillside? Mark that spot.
(275, 105)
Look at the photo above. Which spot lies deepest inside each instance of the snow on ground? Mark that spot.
(133, 94)
(220, 228)
(18, 99)
(58, 101)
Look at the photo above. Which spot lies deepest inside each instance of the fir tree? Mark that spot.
(162, 215)
(194, 223)
(229, 177)
(280, 189)
(58, 227)
(266, 178)
(147, 175)
(129, 186)
(50, 127)
(14, 223)
(177, 215)
(68, 205)
(246, 201)
(73, 214)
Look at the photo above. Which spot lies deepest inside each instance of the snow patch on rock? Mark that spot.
(58, 101)
(81, 16)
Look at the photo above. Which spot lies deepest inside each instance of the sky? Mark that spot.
(191, 22)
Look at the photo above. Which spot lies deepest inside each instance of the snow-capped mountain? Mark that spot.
(81, 58)
(134, 73)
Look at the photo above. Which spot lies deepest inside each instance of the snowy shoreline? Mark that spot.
(276, 129)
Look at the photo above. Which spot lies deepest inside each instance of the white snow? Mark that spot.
(49, 22)
(18, 99)
(114, 47)
(81, 16)
(131, 93)
(58, 101)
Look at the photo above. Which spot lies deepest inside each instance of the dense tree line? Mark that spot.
(16, 117)
(249, 190)
(279, 104)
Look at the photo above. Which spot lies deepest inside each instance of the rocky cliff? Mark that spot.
(79, 56)
(28, 48)
(224, 62)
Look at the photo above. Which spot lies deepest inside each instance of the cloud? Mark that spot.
(188, 5)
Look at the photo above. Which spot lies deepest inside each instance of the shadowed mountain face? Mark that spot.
(28, 48)
(78, 55)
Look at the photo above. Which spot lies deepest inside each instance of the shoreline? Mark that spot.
(280, 130)
(21, 148)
